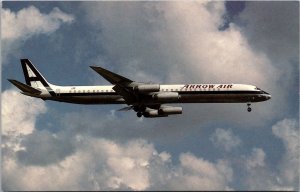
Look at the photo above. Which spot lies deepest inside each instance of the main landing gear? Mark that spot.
(139, 114)
(140, 110)
(249, 108)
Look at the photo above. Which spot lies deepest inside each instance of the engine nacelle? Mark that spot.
(166, 110)
(166, 96)
(153, 113)
(146, 88)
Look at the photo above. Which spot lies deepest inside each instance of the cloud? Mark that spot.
(265, 26)
(91, 162)
(16, 27)
(288, 131)
(42, 148)
(177, 42)
(256, 159)
(225, 139)
(286, 174)
(30, 21)
(19, 113)
(196, 173)
(83, 162)
(101, 164)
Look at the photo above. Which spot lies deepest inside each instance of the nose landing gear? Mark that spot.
(249, 108)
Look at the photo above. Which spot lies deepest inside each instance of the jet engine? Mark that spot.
(168, 110)
(153, 113)
(163, 111)
(166, 96)
(145, 88)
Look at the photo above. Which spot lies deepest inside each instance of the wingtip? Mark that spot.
(10, 80)
(96, 68)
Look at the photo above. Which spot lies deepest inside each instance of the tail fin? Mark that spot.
(32, 76)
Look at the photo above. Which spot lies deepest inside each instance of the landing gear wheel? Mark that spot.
(139, 114)
(249, 108)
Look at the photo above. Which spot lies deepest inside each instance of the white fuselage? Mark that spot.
(188, 93)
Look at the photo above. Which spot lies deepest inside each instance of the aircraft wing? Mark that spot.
(133, 94)
(122, 84)
(113, 78)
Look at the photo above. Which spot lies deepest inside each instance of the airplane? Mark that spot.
(146, 99)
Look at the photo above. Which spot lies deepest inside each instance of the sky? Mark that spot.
(59, 146)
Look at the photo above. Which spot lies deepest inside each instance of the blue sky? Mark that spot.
(208, 147)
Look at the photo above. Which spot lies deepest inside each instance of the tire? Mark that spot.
(139, 114)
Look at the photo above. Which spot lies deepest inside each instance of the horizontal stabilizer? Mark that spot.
(25, 88)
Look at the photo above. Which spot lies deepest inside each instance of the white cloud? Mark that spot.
(92, 163)
(101, 164)
(288, 131)
(16, 27)
(30, 21)
(19, 113)
(225, 139)
(180, 42)
(198, 174)
(286, 174)
(256, 160)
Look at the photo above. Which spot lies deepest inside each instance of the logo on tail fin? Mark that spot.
(33, 77)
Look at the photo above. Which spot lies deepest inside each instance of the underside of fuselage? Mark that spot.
(186, 98)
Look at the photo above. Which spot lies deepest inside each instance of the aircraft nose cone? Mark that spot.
(268, 96)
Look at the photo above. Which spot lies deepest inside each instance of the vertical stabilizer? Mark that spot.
(33, 77)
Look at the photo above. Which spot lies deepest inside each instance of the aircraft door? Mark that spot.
(58, 92)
